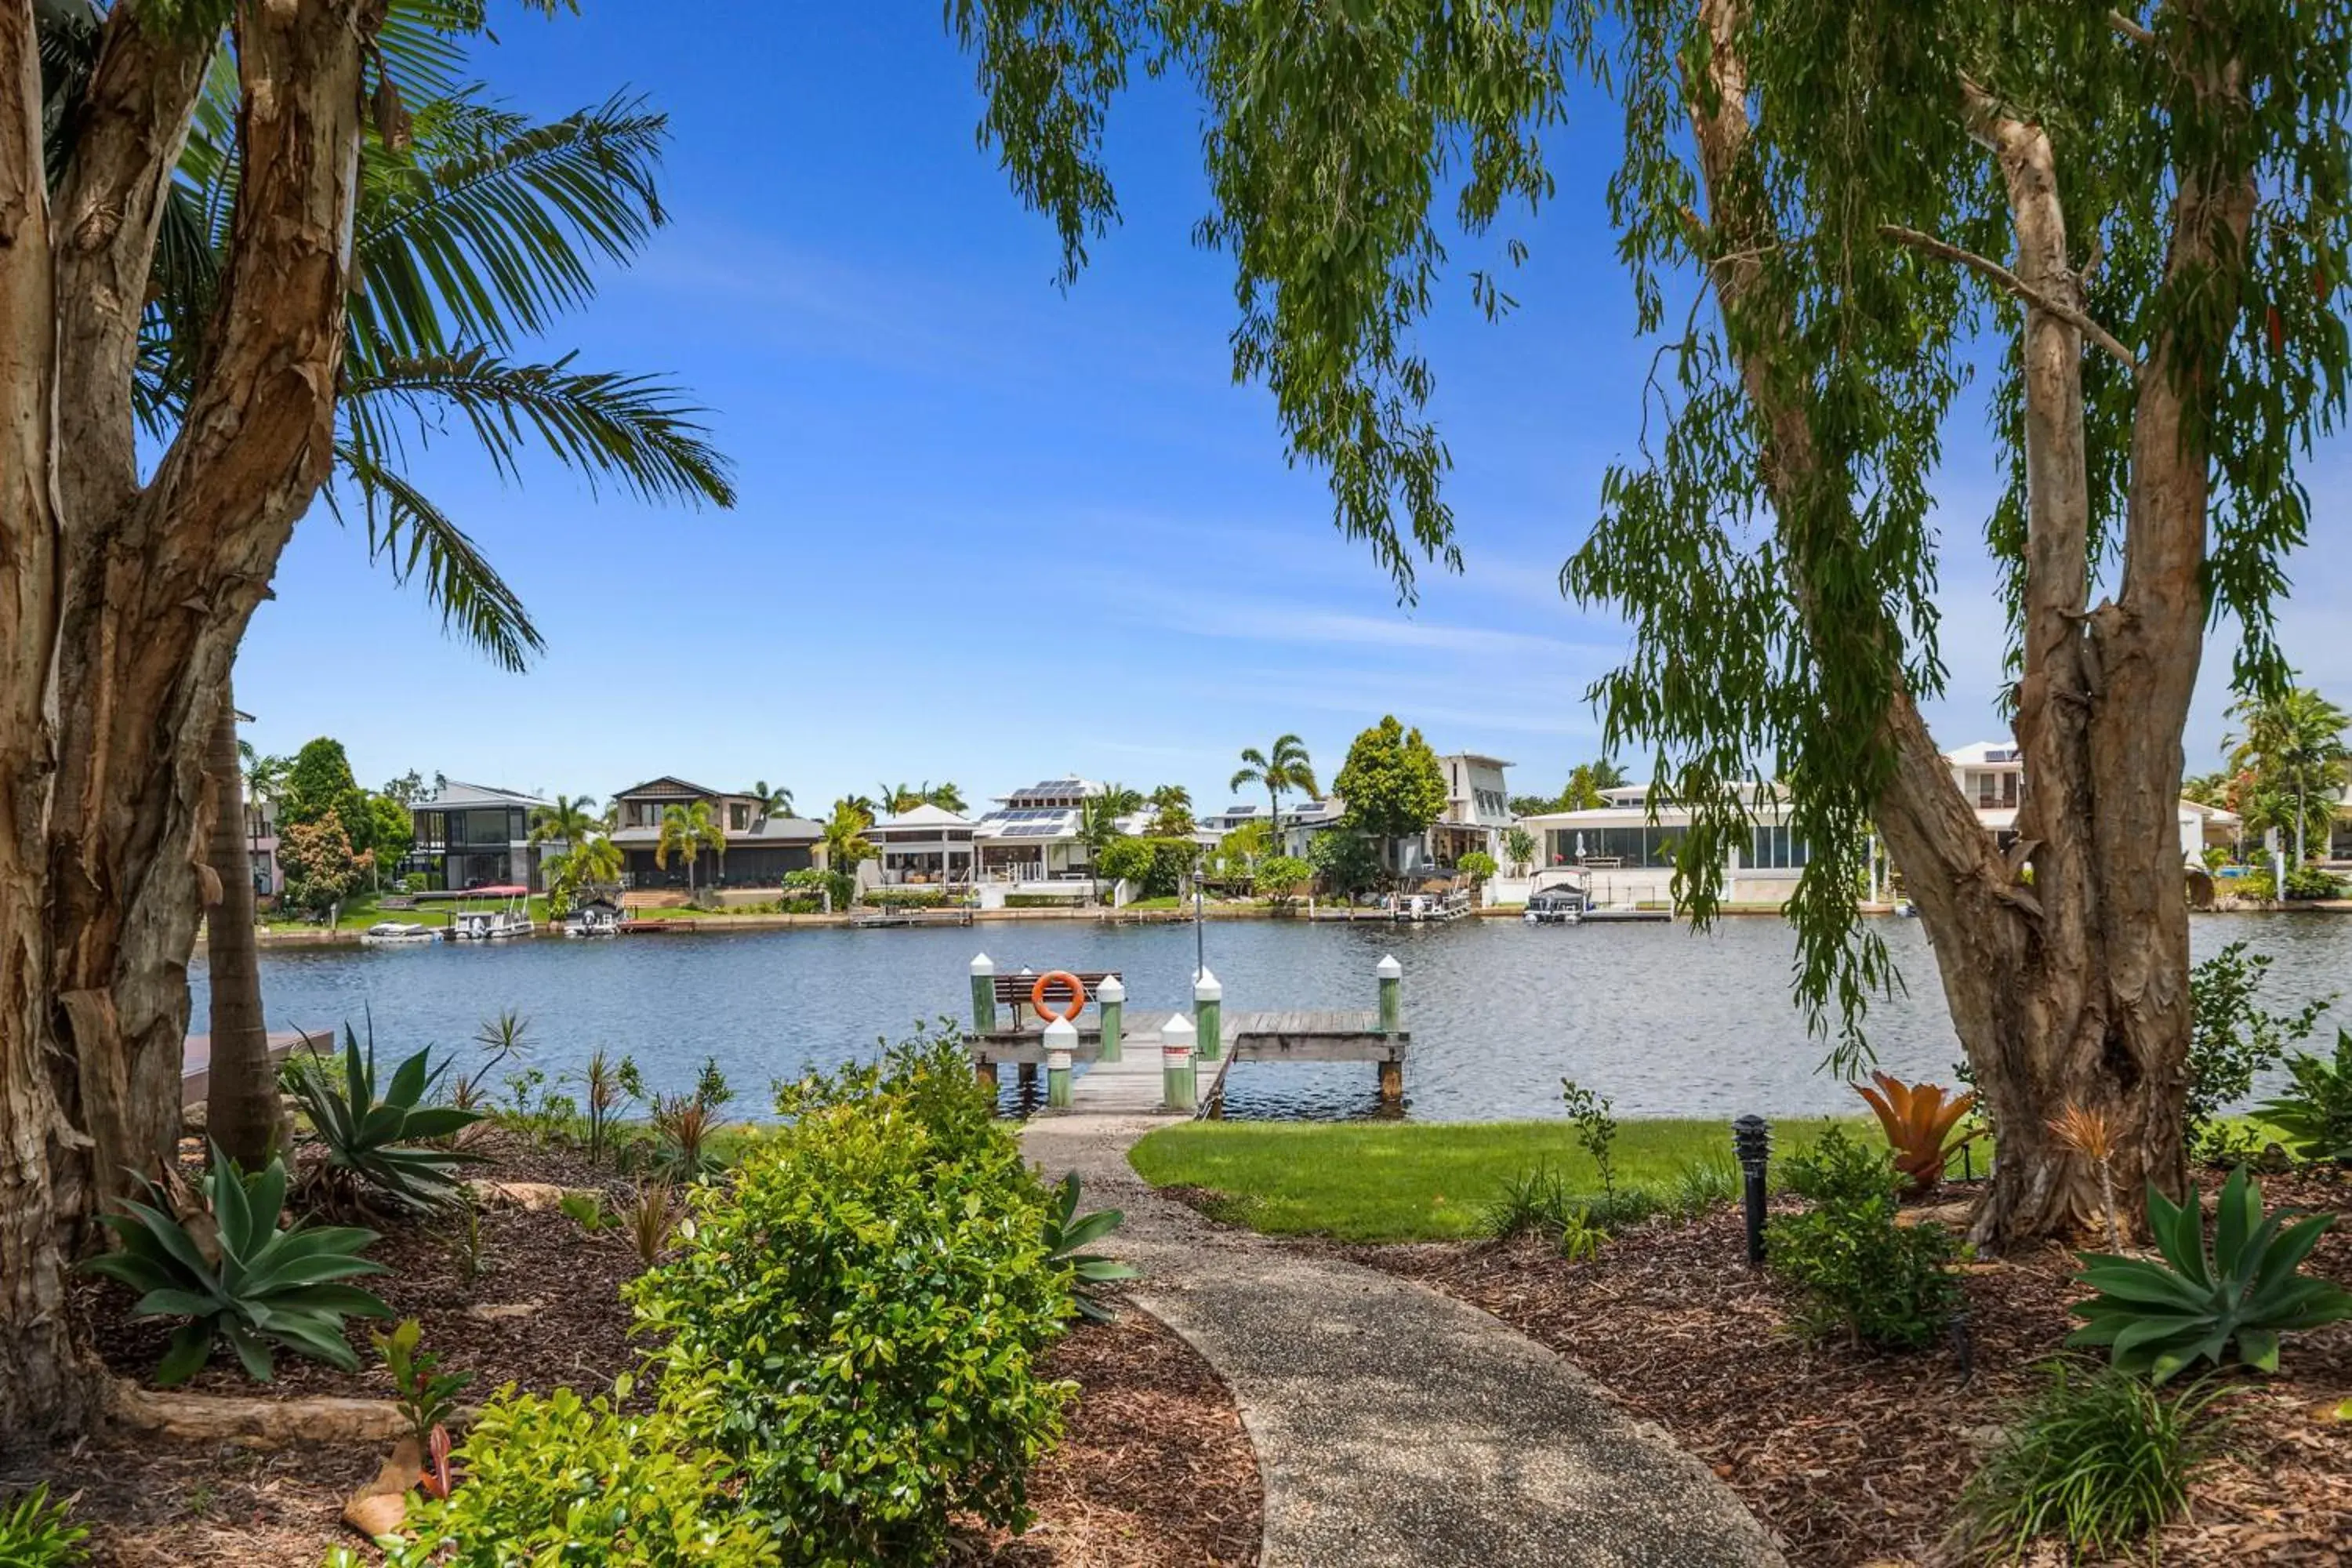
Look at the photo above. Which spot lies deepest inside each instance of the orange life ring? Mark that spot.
(1078, 989)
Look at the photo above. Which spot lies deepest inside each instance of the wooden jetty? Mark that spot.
(882, 919)
(196, 1059)
(1144, 1077)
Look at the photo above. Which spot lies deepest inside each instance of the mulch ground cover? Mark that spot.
(1857, 1459)
(1155, 1470)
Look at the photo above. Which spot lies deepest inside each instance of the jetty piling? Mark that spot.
(1061, 1047)
(1208, 1007)
(1110, 997)
(1178, 1085)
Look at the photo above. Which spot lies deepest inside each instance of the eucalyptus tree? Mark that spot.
(215, 165)
(2132, 221)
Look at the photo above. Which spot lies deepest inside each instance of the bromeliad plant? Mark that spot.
(2227, 1302)
(382, 1146)
(1065, 1233)
(1919, 1120)
(248, 1281)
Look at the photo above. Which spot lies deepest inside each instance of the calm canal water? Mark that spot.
(1665, 1021)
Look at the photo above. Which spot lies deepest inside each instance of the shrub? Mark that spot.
(1067, 1233)
(1579, 1238)
(1704, 1186)
(1532, 1203)
(2316, 1111)
(257, 1286)
(1859, 1273)
(2303, 882)
(560, 1481)
(683, 1124)
(425, 1394)
(2202, 1302)
(2096, 1458)
(380, 1145)
(37, 1533)
(1918, 1120)
(648, 1218)
(871, 1301)
(1280, 877)
(1595, 1124)
(1478, 866)
(2232, 1038)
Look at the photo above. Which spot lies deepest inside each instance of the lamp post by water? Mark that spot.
(1751, 1142)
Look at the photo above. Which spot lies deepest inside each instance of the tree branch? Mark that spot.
(2131, 29)
(2012, 284)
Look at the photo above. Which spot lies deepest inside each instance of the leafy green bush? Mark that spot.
(2233, 1037)
(871, 1300)
(908, 897)
(1860, 1274)
(2303, 883)
(1044, 900)
(1281, 877)
(560, 1482)
(37, 1533)
(256, 1284)
(2096, 1458)
(1155, 867)
(380, 1146)
(2316, 1111)
(2202, 1302)
(1478, 866)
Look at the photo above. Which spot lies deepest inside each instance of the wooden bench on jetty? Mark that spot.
(1161, 1063)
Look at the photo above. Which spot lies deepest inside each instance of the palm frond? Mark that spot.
(407, 531)
(484, 228)
(632, 429)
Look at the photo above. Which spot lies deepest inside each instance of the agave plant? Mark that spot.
(382, 1145)
(1918, 1120)
(248, 1280)
(2202, 1303)
(1065, 1233)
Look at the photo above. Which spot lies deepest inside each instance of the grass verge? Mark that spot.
(1408, 1182)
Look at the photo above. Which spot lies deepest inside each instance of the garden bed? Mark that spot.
(1855, 1457)
(1155, 1468)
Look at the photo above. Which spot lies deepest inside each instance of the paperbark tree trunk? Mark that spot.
(2065, 960)
(241, 1107)
(121, 604)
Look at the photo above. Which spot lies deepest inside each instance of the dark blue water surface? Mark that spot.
(1665, 1021)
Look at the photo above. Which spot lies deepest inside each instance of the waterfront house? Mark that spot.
(928, 845)
(1478, 809)
(474, 836)
(760, 849)
(261, 845)
(1033, 833)
(1629, 842)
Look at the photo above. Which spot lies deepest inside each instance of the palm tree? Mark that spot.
(844, 840)
(895, 798)
(592, 861)
(568, 821)
(1099, 823)
(1171, 812)
(2293, 743)
(945, 796)
(768, 803)
(686, 831)
(1280, 769)
(474, 228)
(241, 1108)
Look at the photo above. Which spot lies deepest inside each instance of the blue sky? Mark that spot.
(992, 531)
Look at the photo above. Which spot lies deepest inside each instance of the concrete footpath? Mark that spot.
(1396, 1427)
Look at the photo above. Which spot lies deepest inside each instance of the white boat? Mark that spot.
(1562, 901)
(595, 918)
(493, 925)
(397, 933)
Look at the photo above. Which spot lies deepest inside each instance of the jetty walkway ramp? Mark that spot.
(1396, 1427)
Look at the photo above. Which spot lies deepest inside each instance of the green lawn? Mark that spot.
(365, 910)
(1416, 1182)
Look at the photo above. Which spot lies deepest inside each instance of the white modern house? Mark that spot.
(925, 846)
(1628, 844)
(1033, 836)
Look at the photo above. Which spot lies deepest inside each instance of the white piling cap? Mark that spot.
(1389, 968)
(1207, 987)
(1110, 989)
(983, 964)
(1061, 1034)
(1178, 1034)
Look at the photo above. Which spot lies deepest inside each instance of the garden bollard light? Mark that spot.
(1209, 1005)
(1391, 978)
(1178, 1088)
(1061, 1043)
(1751, 1142)
(1111, 996)
(983, 994)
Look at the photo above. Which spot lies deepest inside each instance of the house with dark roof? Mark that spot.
(760, 849)
(476, 836)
